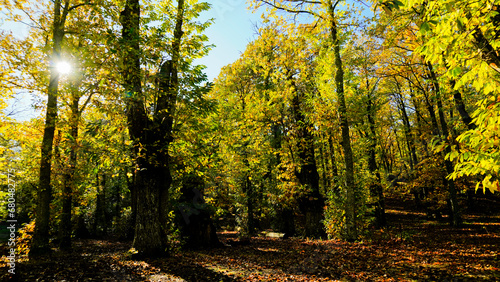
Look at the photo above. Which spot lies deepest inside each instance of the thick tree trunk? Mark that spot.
(151, 137)
(65, 228)
(351, 230)
(312, 203)
(149, 236)
(152, 176)
(40, 243)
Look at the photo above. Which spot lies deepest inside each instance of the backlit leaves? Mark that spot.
(480, 148)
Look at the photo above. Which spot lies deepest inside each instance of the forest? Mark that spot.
(351, 141)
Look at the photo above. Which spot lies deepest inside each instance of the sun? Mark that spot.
(63, 67)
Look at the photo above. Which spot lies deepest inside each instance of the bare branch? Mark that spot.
(293, 11)
(334, 6)
(80, 5)
(87, 101)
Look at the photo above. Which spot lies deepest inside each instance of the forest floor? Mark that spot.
(411, 248)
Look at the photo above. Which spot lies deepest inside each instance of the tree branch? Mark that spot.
(293, 11)
(80, 5)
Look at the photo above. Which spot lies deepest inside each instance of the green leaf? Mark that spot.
(398, 4)
(424, 27)
(460, 24)
(455, 72)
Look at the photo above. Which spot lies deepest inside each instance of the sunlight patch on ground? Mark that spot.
(165, 277)
(404, 212)
(272, 234)
(255, 272)
(268, 250)
(436, 264)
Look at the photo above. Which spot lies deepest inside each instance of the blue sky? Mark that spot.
(232, 30)
(20, 106)
(234, 27)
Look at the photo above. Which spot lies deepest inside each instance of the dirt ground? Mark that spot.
(412, 248)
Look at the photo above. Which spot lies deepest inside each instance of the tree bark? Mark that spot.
(407, 128)
(250, 193)
(65, 228)
(312, 203)
(488, 52)
(419, 120)
(40, 243)
(149, 236)
(351, 231)
(152, 175)
(151, 137)
(460, 106)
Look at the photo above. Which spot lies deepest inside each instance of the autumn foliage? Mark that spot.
(363, 136)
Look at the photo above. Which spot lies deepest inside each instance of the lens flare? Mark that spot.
(63, 67)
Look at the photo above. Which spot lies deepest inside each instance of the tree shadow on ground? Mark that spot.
(187, 270)
(418, 249)
(410, 248)
(100, 260)
(69, 267)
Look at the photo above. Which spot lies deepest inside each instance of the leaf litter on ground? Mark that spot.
(411, 248)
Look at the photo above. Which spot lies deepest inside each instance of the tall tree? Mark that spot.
(151, 129)
(152, 176)
(327, 11)
(90, 70)
(365, 62)
(455, 214)
(41, 235)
